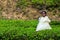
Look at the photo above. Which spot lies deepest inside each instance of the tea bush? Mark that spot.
(26, 30)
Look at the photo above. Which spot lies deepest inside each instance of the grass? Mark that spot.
(26, 30)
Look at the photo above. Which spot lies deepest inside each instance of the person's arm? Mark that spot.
(47, 20)
(39, 19)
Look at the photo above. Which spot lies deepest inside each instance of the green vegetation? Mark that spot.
(39, 3)
(25, 30)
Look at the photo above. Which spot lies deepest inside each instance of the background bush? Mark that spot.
(39, 4)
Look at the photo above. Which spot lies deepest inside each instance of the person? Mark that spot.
(43, 22)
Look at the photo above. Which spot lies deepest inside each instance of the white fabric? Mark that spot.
(43, 23)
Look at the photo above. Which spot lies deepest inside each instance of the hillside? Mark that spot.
(11, 9)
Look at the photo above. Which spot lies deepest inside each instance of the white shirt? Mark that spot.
(43, 23)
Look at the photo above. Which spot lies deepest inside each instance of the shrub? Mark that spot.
(40, 4)
(25, 30)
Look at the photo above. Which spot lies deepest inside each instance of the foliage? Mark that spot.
(25, 30)
(22, 3)
(40, 4)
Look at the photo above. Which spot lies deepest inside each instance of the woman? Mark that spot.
(43, 22)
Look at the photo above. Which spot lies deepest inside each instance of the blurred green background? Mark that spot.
(19, 19)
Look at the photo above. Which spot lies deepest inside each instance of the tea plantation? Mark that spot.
(26, 30)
